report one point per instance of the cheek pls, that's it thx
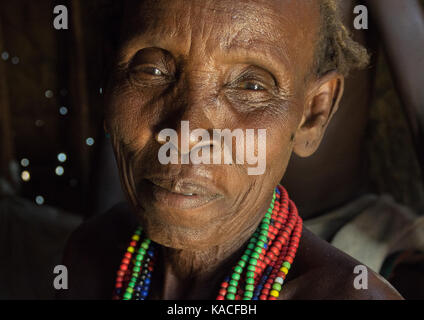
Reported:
(129, 117)
(280, 133)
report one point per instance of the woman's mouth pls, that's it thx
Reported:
(181, 194)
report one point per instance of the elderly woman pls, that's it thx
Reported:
(214, 231)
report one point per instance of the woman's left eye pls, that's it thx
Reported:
(249, 85)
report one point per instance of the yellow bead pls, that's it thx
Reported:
(274, 293)
(136, 237)
(284, 269)
(130, 249)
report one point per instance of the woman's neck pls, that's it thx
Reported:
(197, 274)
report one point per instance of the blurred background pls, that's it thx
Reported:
(56, 163)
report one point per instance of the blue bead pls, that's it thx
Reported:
(147, 281)
(138, 288)
(144, 293)
(265, 246)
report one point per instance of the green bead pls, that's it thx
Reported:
(263, 238)
(130, 290)
(137, 263)
(248, 252)
(251, 268)
(142, 251)
(266, 220)
(255, 255)
(233, 283)
(250, 280)
(287, 265)
(139, 257)
(242, 263)
(253, 261)
(251, 246)
(238, 269)
(268, 215)
(230, 296)
(244, 258)
(127, 296)
(144, 245)
(248, 295)
(131, 285)
(258, 250)
(133, 279)
(260, 244)
(276, 286)
(136, 269)
(264, 233)
(250, 274)
(235, 276)
(264, 226)
(232, 289)
(250, 287)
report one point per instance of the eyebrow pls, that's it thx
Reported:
(277, 55)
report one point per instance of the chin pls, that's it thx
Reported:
(179, 234)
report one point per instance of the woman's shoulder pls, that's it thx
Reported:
(321, 271)
(93, 253)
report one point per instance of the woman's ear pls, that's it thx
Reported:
(321, 103)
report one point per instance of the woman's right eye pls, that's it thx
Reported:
(153, 71)
(147, 76)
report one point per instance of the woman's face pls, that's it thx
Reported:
(218, 65)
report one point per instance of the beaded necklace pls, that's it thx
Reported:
(258, 275)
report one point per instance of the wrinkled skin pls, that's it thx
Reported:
(218, 64)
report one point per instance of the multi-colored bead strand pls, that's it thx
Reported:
(135, 280)
(269, 253)
(260, 272)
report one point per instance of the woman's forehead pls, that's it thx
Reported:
(273, 26)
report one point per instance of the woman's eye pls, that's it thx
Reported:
(248, 85)
(153, 71)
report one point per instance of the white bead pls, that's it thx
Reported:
(279, 280)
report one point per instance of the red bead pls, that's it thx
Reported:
(262, 297)
(124, 267)
(275, 251)
(224, 285)
(265, 291)
(222, 292)
(220, 298)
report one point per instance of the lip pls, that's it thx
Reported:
(181, 193)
